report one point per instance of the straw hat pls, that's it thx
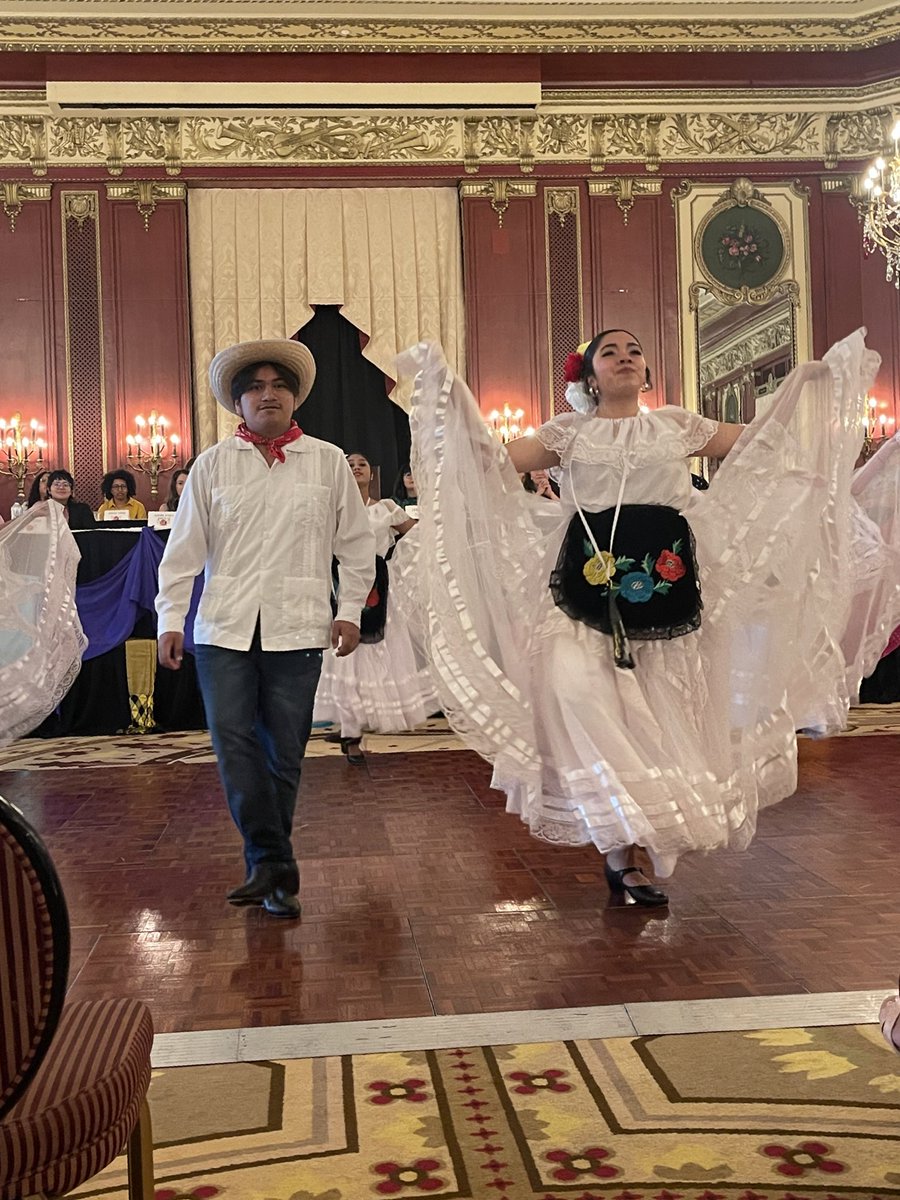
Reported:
(283, 352)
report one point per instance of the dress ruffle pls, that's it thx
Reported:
(682, 752)
(41, 639)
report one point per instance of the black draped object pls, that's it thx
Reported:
(348, 404)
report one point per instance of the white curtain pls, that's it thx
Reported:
(260, 258)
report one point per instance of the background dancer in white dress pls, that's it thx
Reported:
(679, 748)
(386, 688)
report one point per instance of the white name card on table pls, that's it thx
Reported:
(160, 520)
(117, 514)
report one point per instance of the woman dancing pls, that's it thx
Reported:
(635, 660)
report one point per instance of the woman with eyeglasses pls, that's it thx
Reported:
(61, 488)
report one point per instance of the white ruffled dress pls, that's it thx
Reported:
(382, 687)
(41, 639)
(800, 586)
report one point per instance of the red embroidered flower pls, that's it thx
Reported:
(585, 1162)
(373, 599)
(807, 1156)
(573, 367)
(545, 1081)
(389, 1092)
(670, 566)
(416, 1176)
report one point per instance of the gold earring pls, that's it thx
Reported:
(646, 386)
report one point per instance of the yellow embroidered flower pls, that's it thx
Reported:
(600, 568)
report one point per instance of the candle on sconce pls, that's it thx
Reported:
(23, 454)
(507, 425)
(156, 452)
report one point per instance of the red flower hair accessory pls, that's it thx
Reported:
(574, 364)
(572, 369)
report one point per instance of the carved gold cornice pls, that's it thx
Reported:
(625, 188)
(499, 192)
(40, 141)
(15, 194)
(145, 194)
(268, 30)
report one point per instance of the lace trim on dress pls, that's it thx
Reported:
(558, 434)
(659, 436)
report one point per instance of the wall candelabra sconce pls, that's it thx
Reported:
(152, 450)
(879, 427)
(507, 425)
(21, 450)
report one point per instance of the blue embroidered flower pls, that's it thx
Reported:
(636, 587)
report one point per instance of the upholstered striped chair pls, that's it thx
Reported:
(73, 1078)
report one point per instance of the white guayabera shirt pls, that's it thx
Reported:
(264, 538)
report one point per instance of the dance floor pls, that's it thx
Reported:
(422, 897)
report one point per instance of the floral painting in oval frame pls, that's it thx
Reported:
(742, 246)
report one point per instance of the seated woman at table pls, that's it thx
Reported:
(61, 487)
(176, 487)
(39, 489)
(119, 487)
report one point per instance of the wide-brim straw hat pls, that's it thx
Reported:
(283, 352)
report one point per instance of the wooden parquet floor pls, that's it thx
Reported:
(421, 896)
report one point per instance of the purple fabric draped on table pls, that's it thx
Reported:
(109, 607)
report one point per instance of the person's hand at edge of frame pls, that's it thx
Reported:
(344, 638)
(170, 649)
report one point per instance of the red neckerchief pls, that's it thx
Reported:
(273, 445)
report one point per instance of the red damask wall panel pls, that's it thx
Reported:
(506, 305)
(28, 320)
(146, 327)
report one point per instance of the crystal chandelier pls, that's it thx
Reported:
(881, 229)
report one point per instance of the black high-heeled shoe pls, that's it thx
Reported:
(641, 893)
(353, 752)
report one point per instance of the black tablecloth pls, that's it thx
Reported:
(97, 702)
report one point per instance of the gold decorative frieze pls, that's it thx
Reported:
(146, 194)
(15, 194)
(625, 188)
(494, 33)
(41, 140)
(499, 192)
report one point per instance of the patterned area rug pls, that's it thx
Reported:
(166, 749)
(784, 1114)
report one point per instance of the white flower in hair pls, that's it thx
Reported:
(577, 395)
(579, 398)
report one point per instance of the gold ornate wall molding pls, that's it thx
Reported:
(15, 194)
(145, 194)
(703, 213)
(40, 140)
(499, 192)
(625, 189)
(534, 29)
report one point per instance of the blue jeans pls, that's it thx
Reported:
(259, 706)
